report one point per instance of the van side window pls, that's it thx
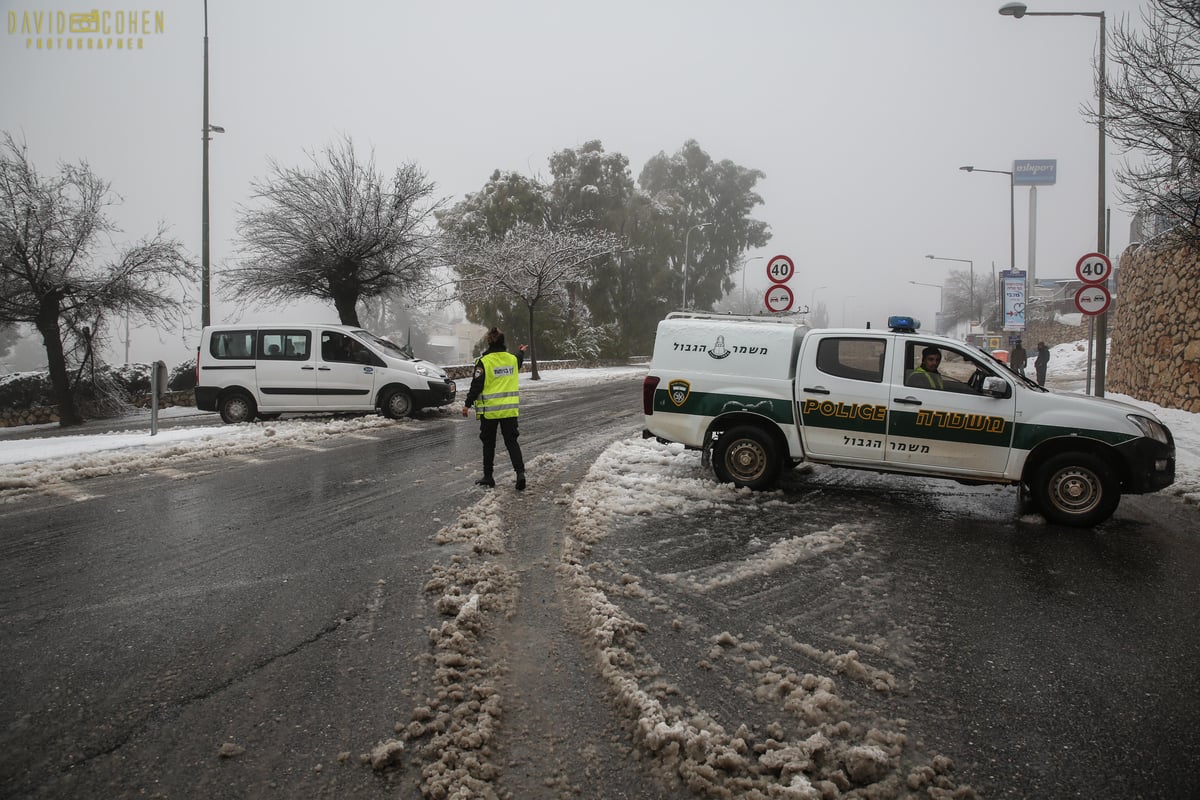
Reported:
(232, 344)
(853, 358)
(285, 345)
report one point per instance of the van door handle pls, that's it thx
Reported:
(310, 369)
(816, 390)
(323, 369)
(908, 401)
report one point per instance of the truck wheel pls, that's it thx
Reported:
(398, 404)
(237, 407)
(1076, 489)
(746, 456)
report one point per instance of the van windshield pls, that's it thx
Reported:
(388, 347)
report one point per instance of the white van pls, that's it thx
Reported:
(244, 371)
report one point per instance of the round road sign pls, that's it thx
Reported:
(779, 298)
(1092, 300)
(1093, 268)
(780, 269)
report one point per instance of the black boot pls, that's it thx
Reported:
(486, 480)
(520, 481)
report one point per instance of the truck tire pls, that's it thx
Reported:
(398, 404)
(1076, 489)
(747, 456)
(237, 407)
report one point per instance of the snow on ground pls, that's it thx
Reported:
(27, 463)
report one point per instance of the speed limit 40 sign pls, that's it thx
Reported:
(780, 269)
(1093, 268)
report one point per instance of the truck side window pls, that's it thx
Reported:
(232, 344)
(851, 357)
(285, 345)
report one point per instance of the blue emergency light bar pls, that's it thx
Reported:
(903, 324)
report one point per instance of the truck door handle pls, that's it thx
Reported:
(816, 390)
(908, 401)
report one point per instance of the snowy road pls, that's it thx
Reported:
(347, 616)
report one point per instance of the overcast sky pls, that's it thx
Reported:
(859, 113)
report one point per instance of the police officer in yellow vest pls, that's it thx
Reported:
(494, 394)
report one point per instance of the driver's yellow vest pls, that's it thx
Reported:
(499, 398)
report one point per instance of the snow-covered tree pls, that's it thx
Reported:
(335, 230)
(530, 265)
(61, 272)
(1152, 92)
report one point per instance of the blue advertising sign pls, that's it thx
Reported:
(1014, 299)
(1035, 172)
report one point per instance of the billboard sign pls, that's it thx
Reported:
(1014, 299)
(1035, 172)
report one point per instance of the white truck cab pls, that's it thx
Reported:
(759, 394)
(244, 371)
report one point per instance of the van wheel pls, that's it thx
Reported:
(237, 407)
(1076, 489)
(398, 404)
(746, 456)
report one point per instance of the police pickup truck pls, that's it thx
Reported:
(761, 394)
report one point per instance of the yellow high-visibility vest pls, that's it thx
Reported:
(499, 398)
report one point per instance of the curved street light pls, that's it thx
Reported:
(745, 308)
(813, 297)
(687, 236)
(1012, 211)
(1017, 11)
(971, 265)
(941, 302)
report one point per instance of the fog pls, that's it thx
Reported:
(859, 114)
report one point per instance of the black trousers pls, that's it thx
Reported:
(487, 435)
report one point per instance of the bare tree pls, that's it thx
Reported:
(335, 231)
(530, 264)
(51, 275)
(1153, 110)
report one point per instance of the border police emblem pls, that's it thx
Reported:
(678, 390)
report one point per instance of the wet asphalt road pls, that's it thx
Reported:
(256, 600)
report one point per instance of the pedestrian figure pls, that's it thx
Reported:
(1041, 362)
(495, 396)
(1019, 358)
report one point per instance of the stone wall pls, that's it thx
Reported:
(1154, 351)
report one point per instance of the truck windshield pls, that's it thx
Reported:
(391, 349)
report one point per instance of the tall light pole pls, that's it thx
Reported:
(812, 298)
(971, 265)
(745, 307)
(205, 279)
(687, 236)
(1017, 11)
(1012, 211)
(941, 302)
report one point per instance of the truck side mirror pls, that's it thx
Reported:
(996, 387)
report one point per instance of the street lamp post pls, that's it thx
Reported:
(1017, 11)
(687, 236)
(1012, 209)
(941, 301)
(205, 278)
(971, 265)
(745, 307)
(812, 298)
